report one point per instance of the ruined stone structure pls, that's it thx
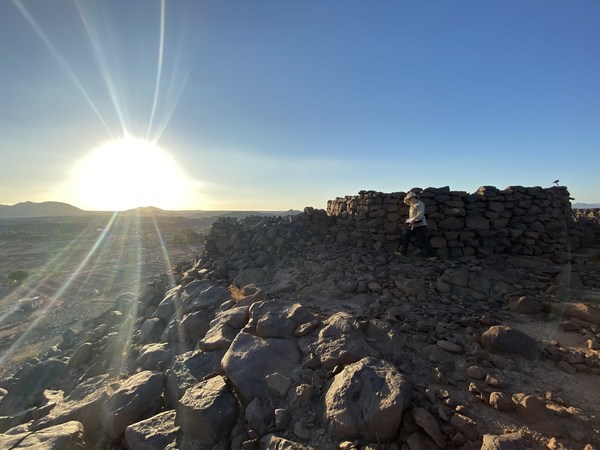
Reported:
(304, 332)
(517, 220)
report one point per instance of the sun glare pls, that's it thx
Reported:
(128, 173)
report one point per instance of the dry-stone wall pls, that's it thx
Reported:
(517, 220)
(271, 236)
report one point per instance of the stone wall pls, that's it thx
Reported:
(262, 237)
(517, 220)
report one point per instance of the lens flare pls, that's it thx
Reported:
(129, 173)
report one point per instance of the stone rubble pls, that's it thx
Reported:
(307, 332)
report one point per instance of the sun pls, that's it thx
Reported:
(128, 173)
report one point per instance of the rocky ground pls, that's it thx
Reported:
(332, 348)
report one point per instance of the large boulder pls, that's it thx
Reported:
(189, 369)
(250, 359)
(134, 398)
(340, 341)
(65, 436)
(366, 401)
(31, 383)
(194, 326)
(169, 305)
(156, 433)
(275, 319)
(83, 404)
(157, 356)
(203, 294)
(151, 330)
(80, 356)
(207, 412)
(224, 328)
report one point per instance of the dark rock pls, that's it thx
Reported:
(271, 325)
(157, 356)
(341, 342)
(526, 305)
(250, 359)
(501, 401)
(427, 422)
(131, 400)
(504, 339)
(31, 383)
(83, 404)
(258, 416)
(151, 330)
(169, 305)
(534, 410)
(189, 369)
(366, 400)
(271, 441)
(194, 326)
(502, 442)
(156, 433)
(207, 411)
(420, 441)
(81, 355)
(64, 436)
(218, 337)
(203, 294)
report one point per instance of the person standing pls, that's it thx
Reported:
(417, 227)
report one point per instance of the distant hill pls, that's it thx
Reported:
(149, 211)
(57, 209)
(201, 214)
(585, 205)
(239, 214)
(44, 209)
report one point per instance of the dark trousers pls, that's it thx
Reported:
(421, 238)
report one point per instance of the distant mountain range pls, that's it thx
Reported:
(44, 209)
(585, 205)
(57, 209)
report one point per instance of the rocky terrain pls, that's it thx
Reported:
(298, 333)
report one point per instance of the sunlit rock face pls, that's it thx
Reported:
(366, 400)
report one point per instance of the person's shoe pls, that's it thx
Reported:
(432, 258)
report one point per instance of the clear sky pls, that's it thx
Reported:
(285, 104)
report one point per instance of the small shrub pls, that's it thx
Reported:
(17, 276)
(187, 236)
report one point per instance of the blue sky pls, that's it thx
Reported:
(286, 104)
